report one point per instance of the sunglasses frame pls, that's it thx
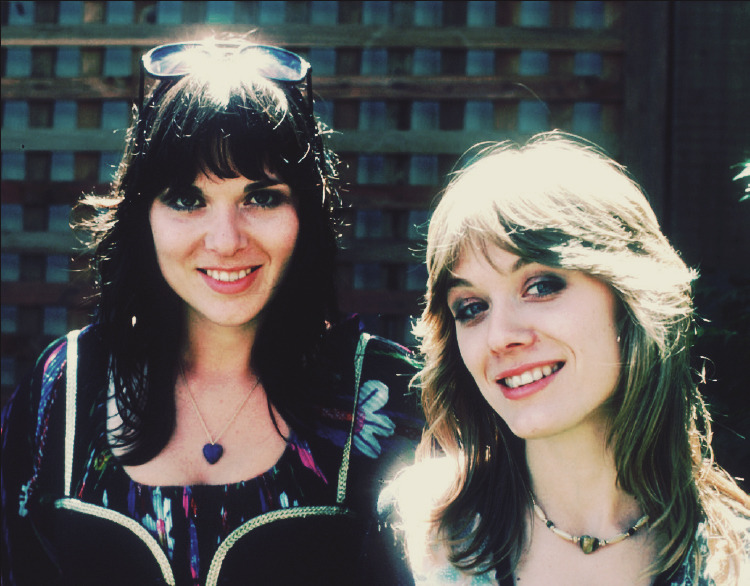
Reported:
(238, 47)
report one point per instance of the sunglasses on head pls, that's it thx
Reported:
(176, 60)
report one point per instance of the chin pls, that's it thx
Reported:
(238, 323)
(226, 321)
(528, 434)
(533, 428)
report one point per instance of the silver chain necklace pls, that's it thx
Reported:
(213, 450)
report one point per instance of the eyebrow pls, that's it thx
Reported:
(455, 282)
(262, 184)
(189, 189)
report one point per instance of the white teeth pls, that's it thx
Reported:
(529, 376)
(513, 382)
(226, 276)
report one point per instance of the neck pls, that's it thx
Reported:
(574, 481)
(218, 351)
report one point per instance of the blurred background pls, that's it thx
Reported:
(408, 86)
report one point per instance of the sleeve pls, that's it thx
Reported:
(25, 422)
(389, 419)
(386, 426)
(389, 426)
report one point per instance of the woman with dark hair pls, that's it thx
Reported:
(575, 446)
(216, 425)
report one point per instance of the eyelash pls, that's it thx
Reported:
(273, 199)
(466, 311)
(463, 313)
(173, 201)
(551, 282)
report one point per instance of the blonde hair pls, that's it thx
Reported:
(561, 202)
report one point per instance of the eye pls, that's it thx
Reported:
(266, 198)
(468, 310)
(182, 201)
(545, 286)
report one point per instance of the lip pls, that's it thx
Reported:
(233, 287)
(531, 388)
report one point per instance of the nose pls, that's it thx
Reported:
(225, 233)
(508, 329)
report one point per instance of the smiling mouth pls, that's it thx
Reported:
(229, 276)
(531, 376)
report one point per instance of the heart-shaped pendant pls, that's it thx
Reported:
(212, 452)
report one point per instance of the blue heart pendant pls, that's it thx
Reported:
(212, 452)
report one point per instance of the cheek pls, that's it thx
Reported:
(291, 236)
(158, 234)
(166, 241)
(283, 234)
(470, 349)
(600, 339)
(171, 240)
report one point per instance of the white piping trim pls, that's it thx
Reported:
(295, 512)
(359, 358)
(300, 512)
(72, 504)
(71, 376)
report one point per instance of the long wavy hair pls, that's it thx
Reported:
(227, 126)
(561, 202)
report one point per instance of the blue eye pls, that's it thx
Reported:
(467, 311)
(545, 286)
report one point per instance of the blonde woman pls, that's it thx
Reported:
(575, 445)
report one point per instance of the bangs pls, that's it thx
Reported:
(562, 207)
(459, 229)
(546, 205)
(256, 131)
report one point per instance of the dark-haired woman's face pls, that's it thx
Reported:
(223, 245)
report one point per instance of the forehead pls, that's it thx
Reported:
(475, 266)
(488, 256)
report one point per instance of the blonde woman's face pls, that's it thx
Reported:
(541, 343)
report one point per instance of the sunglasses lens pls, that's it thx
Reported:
(172, 60)
(275, 63)
(181, 58)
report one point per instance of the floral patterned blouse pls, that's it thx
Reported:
(363, 435)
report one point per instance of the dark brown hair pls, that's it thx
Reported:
(248, 126)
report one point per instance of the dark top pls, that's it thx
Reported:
(310, 519)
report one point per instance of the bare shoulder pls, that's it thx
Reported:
(416, 490)
(410, 502)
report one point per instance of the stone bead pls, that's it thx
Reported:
(588, 544)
